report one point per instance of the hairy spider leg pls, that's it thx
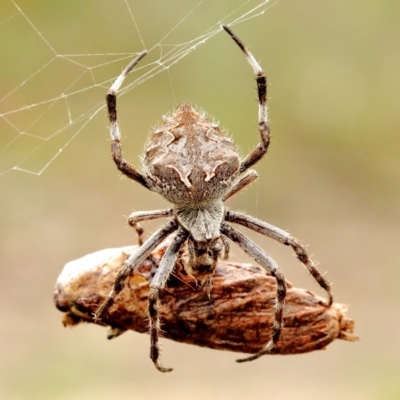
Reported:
(283, 237)
(132, 262)
(263, 126)
(164, 270)
(271, 266)
(138, 216)
(116, 148)
(246, 179)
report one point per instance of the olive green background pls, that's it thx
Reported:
(331, 178)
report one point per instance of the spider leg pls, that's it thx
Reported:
(263, 126)
(164, 270)
(132, 262)
(270, 265)
(190, 247)
(245, 180)
(226, 247)
(136, 217)
(116, 149)
(283, 237)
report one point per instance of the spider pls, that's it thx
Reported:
(192, 163)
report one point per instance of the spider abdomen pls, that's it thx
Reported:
(189, 159)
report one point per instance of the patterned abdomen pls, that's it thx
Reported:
(189, 159)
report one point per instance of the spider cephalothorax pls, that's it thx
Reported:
(195, 166)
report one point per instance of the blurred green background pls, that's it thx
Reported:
(331, 177)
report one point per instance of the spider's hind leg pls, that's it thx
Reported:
(263, 126)
(116, 148)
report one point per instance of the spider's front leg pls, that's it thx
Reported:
(164, 270)
(132, 262)
(283, 237)
(116, 149)
(271, 266)
(263, 126)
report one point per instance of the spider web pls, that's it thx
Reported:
(73, 96)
